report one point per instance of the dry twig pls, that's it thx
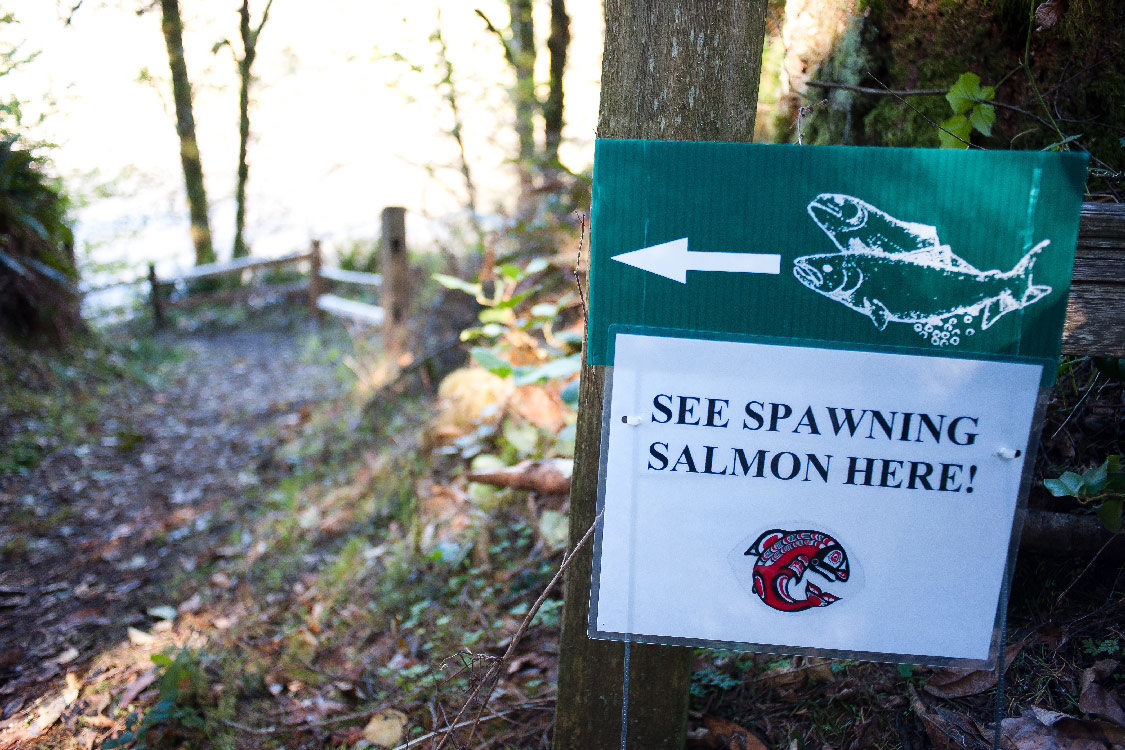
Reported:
(494, 673)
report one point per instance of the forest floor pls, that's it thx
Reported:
(108, 528)
(229, 540)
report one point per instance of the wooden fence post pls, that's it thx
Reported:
(158, 320)
(316, 284)
(707, 90)
(395, 297)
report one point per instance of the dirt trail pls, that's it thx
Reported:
(144, 497)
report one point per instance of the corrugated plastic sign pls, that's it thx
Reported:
(936, 251)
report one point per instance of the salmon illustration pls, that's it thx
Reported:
(783, 558)
(888, 288)
(896, 271)
(855, 225)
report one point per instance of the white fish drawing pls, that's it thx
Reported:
(897, 271)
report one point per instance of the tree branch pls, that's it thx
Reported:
(508, 54)
(883, 92)
(494, 673)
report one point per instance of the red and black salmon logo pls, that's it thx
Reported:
(782, 560)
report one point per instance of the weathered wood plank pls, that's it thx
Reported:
(349, 308)
(1095, 313)
(397, 295)
(351, 277)
(1102, 219)
(218, 269)
(234, 295)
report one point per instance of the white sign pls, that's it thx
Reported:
(808, 499)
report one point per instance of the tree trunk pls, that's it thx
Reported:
(521, 50)
(248, 52)
(185, 127)
(245, 77)
(676, 70)
(557, 44)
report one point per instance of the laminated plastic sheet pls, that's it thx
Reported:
(803, 500)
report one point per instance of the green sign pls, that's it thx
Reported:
(934, 251)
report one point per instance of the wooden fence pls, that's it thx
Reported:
(1095, 315)
(394, 295)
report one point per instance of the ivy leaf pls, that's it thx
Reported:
(982, 116)
(487, 359)
(1109, 513)
(965, 93)
(452, 282)
(1111, 367)
(555, 368)
(1068, 485)
(1095, 478)
(509, 303)
(955, 127)
(495, 315)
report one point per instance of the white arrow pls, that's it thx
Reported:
(673, 260)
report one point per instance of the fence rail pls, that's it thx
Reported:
(1095, 313)
(319, 276)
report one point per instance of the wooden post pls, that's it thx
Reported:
(676, 70)
(395, 296)
(316, 284)
(158, 320)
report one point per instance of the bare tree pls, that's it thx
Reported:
(173, 28)
(557, 44)
(249, 35)
(520, 52)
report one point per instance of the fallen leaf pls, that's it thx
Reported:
(958, 683)
(139, 637)
(466, 398)
(1095, 699)
(800, 669)
(1047, 15)
(135, 686)
(224, 623)
(99, 721)
(540, 407)
(722, 734)
(547, 477)
(1041, 729)
(86, 738)
(947, 730)
(73, 687)
(386, 728)
(191, 605)
(162, 612)
(50, 711)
